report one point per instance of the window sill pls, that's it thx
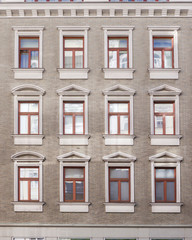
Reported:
(28, 139)
(119, 140)
(166, 207)
(28, 206)
(73, 73)
(29, 73)
(118, 73)
(163, 140)
(119, 207)
(74, 207)
(74, 140)
(164, 73)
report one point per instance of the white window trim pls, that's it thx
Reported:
(168, 31)
(73, 31)
(27, 92)
(118, 31)
(119, 159)
(36, 161)
(166, 159)
(29, 73)
(74, 159)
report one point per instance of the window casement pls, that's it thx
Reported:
(118, 59)
(119, 115)
(164, 106)
(28, 52)
(165, 183)
(73, 115)
(119, 182)
(73, 43)
(163, 52)
(28, 115)
(28, 181)
(74, 182)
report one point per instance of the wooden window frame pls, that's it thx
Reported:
(29, 117)
(73, 52)
(74, 185)
(118, 50)
(165, 180)
(119, 180)
(29, 186)
(29, 51)
(162, 51)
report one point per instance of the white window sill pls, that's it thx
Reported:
(73, 73)
(166, 207)
(119, 207)
(119, 140)
(163, 140)
(28, 139)
(118, 73)
(162, 73)
(28, 206)
(80, 140)
(74, 207)
(28, 73)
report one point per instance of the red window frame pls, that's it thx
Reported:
(118, 114)
(74, 185)
(29, 51)
(74, 114)
(165, 180)
(164, 49)
(29, 184)
(118, 50)
(119, 180)
(29, 117)
(164, 114)
(73, 50)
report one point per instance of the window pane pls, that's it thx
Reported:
(123, 59)
(157, 59)
(34, 190)
(68, 190)
(23, 124)
(33, 107)
(78, 59)
(34, 124)
(74, 172)
(113, 124)
(158, 125)
(79, 124)
(165, 173)
(162, 42)
(118, 107)
(168, 59)
(169, 125)
(28, 107)
(117, 43)
(34, 59)
(68, 124)
(29, 172)
(68, 59)
(123, 124)
(163, 107)
(170, 191)
(112, 59)
(159, 191)
(23, 190)
(73, 107)
(24, 59)
(79, 190)
(29, 43)
(119, 173)
(124, 191)
(113, 190)
(73, 43)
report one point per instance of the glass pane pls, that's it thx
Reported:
(168, 59)
(33, 107)
(162, 43)
(23, 124)
(123, 59)
(169, 125)
(165, 173)
(113, 124)
(119, 173)
(29, 172)
(28, 107)
(68, 190)
(117, 43)
(157, 59)
(124, 191)
(79, 124)
(78, 59)
(34, 190)
(123, 124)
(158, 125)
(29, 43)
(163, 107)
(24, 59)
(34, 59)
(34, 124)
(68, 124)
(73, 107)
(160, 191)
(118, 107)
(73, 43)
(170, 191)
(23, 190)
(113, 190)
(79, 190)
(112, 59)
(68, 59)
(74, 172)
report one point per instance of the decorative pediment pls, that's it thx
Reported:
(165, 157)
(73, 90)
(73, 157)
(164, 90)
(28, 89)
(119, 90)
(119, 157)
(28, 156)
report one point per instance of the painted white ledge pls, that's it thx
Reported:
(119, 140)
(29, 73)
(73, 73)
(118, 73)
(80, 140)
(28, 139)
(74, 207)
(164, 73)
(166, 207)
(119, 207)
(28, 206)
(164, 140)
